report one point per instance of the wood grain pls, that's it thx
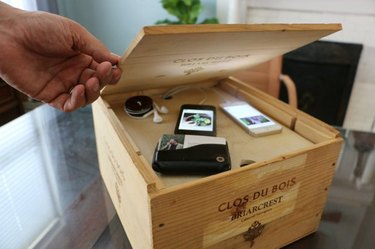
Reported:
(166, 56)
(285, 189)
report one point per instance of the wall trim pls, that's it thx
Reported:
(362, 7)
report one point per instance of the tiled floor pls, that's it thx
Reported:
(114, 237)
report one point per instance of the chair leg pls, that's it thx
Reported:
(291, 89)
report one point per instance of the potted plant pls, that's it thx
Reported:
(186, 12)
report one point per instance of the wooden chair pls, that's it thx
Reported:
(268, 77)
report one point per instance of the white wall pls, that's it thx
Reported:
(358, 21)
(116, 22)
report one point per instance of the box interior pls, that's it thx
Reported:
(163, 57)
(145, 133)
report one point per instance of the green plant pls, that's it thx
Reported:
(186, 11)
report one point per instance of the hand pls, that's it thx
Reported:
(53, 59)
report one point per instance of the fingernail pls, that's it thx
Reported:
(118, 58)
(113, 54)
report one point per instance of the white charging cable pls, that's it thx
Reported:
(175, 90)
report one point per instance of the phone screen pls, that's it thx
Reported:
(196, 120)
(249, 116)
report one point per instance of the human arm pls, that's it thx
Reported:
(53, 59)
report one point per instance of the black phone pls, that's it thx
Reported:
(196, 120)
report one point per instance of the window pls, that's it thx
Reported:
(22, 4)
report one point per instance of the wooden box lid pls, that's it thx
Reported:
(163, 56)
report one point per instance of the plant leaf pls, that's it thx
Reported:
(167, 21)
(186, 11)
(212, 20)
(187, 2)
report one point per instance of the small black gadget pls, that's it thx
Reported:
(138, 106)
(191, 155)
(196, 120)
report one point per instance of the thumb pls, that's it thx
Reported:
(86, 43)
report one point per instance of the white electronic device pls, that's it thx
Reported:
(251, 119)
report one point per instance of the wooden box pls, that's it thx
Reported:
(266, 204)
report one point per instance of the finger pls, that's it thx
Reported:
(104, 73)
(92, 86)
(86, 75)
(59, 101)
(116, 75)
(92, 90)
(76, 100)
(93, 65)
(69, 102)
(107, 74)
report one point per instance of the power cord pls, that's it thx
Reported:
(170, 93)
